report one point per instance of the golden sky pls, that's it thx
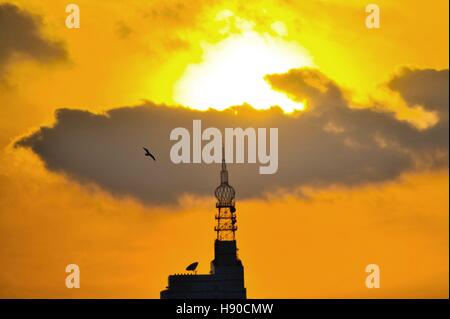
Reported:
(319, 228)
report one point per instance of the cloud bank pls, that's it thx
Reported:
(21, 36)
(330, 143)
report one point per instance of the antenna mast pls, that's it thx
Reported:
(226, 211)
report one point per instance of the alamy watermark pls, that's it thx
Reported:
(373, 277)
(373, 17)
(73, 277)
(211, 152)
(73, 17)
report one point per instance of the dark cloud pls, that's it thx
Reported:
(428, 88)
(328, 144)
(20, 36)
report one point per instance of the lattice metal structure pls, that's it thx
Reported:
(226, 278)
(226, 212)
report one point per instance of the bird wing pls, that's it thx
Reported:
(145, 149)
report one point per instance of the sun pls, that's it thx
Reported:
(232, 72)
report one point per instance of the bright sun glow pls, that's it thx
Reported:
(233, 70)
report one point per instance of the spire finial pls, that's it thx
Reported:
(224, 165)
(224, 172)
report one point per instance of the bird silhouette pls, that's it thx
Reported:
(192, 267)
(147, 153)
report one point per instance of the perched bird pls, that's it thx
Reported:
(147, 153)
(192, 267)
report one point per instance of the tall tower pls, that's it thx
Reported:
(226, 266)
(226, 278)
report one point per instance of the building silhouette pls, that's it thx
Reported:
(226, 278)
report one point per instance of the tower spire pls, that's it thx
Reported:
(224, 192)
(223, 172)
(226, 216)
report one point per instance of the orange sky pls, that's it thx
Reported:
(314, 246)
(291, 248)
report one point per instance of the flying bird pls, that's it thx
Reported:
(147, 153)
(192, 267)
